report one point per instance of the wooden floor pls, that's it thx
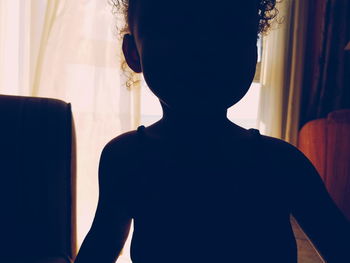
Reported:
(306, 252)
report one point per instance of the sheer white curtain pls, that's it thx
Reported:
(69, 50)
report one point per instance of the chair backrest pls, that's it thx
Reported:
(326, 142)
(38, 179)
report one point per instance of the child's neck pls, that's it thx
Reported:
(195, 122)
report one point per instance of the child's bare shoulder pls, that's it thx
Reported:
(284, 154)
(120, 152)
(277, 145)
(124, 142)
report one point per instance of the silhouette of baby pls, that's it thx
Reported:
(198, 187)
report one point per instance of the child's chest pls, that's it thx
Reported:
(188, 196)
(188, 180)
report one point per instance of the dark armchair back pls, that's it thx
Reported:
(37, 179)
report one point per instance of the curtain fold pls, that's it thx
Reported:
(298, 31)
(282, 74)
(327, 83)
(272, 78)
(50, 14)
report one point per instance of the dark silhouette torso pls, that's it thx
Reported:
(222, 200)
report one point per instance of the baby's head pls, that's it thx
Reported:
(195, 54)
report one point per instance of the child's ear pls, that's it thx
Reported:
(131, 54)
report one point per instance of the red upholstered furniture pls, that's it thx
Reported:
(326, 142)
(37, 175)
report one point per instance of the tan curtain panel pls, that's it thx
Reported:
(282, 73)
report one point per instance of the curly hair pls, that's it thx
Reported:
(267, 13)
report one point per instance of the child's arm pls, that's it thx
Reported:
(316, 212)
(111, 224)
